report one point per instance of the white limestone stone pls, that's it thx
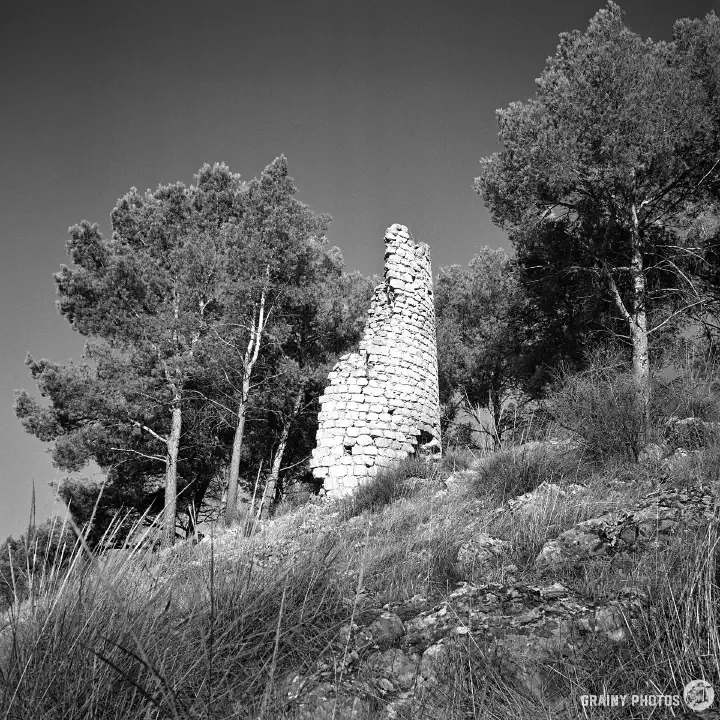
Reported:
(378, 398)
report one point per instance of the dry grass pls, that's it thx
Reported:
(215, 630)
(144, 636)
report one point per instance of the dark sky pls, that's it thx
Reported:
(383, 110)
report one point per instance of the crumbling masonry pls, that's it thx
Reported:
(382, 402)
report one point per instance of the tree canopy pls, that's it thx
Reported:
(474, 306)
(617, 154)
(203, 297)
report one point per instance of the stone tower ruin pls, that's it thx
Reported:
(382, 403)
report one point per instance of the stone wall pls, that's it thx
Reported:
(381, 403)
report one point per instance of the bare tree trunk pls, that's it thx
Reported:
(251, 356)
(173, 446)
(199, 491)
(637, 319)
(638, 323)
(232, 493)
(496, 404)
(270, 487)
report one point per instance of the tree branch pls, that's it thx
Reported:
(137, 452)
(677, 312)
(149, 430)
(616, 296)
(287, 467)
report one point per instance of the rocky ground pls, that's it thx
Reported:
(460, 605)
(398, 652)
(392, 660)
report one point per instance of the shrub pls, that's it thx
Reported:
(459, 435)
(689, 434)
(524, 420)
(601, 406)
(295, 498)
(682, 398)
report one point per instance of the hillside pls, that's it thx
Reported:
(503, 586)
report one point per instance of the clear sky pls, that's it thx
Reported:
(383, 109)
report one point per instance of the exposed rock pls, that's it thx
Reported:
(552, 445)
(476, 554)
(651, 523)
(461, 480)
(382, 633)
(523, 629)
(323, 703)
(543, 495)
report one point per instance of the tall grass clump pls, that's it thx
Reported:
(32, 566)
(388, 486)
(188, 633)
(473, 685)
(516, 471)
(673, 627)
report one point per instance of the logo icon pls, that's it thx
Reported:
(698, 695)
